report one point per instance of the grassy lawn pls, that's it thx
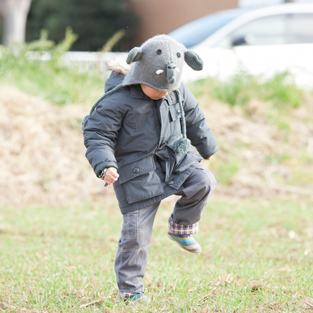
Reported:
(257, 253)
(257, 257)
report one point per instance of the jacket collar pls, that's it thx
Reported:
(171, 98)
(137, 93)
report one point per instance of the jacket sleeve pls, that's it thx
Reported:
(199, 133)
(101, 132)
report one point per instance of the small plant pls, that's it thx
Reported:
(28, 54)
(281, 89)
(107, 47)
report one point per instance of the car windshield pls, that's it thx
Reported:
(195, 32)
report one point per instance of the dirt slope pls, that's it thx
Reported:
(42, 152)
(270, 158)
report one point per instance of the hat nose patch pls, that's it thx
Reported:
(171, 73)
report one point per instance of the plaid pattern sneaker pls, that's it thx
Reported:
(186, 242)
(137, 298)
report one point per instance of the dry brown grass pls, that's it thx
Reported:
(247, 135)
(42, 152)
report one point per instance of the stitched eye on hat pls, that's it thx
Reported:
(159, 51)
(178, 54)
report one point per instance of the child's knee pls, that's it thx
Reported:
(212, 180)
(208, 180)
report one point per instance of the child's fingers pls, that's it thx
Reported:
(112, 171)
(115, 175)
(110, 178)
(111, 175)
(109, 181)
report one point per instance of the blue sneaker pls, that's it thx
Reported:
(137, 298)
(186, 242)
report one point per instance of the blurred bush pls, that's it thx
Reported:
(95, 21)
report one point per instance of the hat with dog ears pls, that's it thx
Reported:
(158, 63)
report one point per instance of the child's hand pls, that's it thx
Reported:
(111, 175)
(209, 158)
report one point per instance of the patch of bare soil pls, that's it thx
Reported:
(42, 156)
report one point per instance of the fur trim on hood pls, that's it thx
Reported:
(118, 66)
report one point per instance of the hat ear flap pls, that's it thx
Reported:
(134, 55)
(193, 60)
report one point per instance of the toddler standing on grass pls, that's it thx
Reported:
(138, 139)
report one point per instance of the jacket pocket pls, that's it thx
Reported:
(174, 112)
(140, 181)
(174, 117)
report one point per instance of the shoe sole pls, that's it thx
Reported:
(183, 247)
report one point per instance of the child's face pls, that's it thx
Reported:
(153, 93)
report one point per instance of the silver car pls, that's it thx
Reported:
(260, 41)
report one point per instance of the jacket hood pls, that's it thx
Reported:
(119, 69)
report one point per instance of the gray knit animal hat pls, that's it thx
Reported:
(158, 63)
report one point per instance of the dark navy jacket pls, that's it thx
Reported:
(134, 133)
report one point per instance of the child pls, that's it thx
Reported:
(133, 140)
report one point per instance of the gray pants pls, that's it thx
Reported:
(133, 247)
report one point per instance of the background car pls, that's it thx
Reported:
(260, 41)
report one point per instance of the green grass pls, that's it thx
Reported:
(56, 85)
(241, 87)
(50, 80)
(257, 257)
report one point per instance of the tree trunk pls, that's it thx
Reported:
(14, 16)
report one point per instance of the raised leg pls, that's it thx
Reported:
(188, 210)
